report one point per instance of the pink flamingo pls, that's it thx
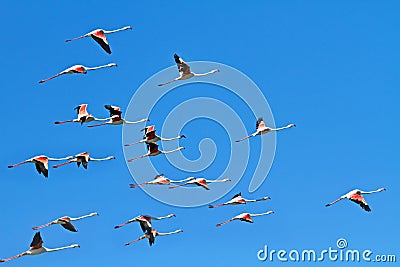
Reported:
(152, 236)
(65, 222)
(36, 248)
(237, 200)
(245, 217)
(184, 71)
(262, 129)
(151, 137)
(144, 221)
(201, 182)
(41, 163)
(356, 196)
(99, 36)
(159, 180)
(154, 151)
(83, 158)
(78, 69)
(83, 116)
(116, 117)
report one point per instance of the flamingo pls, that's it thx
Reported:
(237, 200)
(144, 221)
(152, 150)
(262, 129)
(116, 117)
(159, 180)
(99, 36)
(152, 236)
(83, 158)
(36, 248)
(65, 222)
(356, 196)
(83, 116)
(245, 217)
(78, 69)
(201, 182)
(151, 137)
(41, 163)
(184, 71)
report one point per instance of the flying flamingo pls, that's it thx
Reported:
(36, 248)
(356, 196)
(152, 236)
(41, 163)
(159, 180)
(152, 150)
(262, 129)
(99, 36)
(245, 217)
(116, 117)
(65, 222)
(201, 182)
(83, 116)
(78, 69)
(83, 158)
(184, 71)
(151, 137)
(144, 221)
(237, 200)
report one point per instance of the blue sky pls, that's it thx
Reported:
(332, 68)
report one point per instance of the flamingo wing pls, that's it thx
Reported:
(152, 237)
(182, 66)
(37, 241)
(260, 123)
(360, 200)
(69, 226)
(40, 167)
(151, 135)
(101, 39)
(237, 195)
(152, 147)
(113, 110)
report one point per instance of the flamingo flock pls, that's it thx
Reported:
(150, 140)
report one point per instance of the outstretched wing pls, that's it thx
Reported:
(41, 169)
(182, 66)
(360, 200)
(101, 39)
(67, 224)
(37, 241)
(260, 123)
(237, 195)
(114, 110)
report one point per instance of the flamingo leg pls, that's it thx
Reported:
(137, 185)
(138, 142)
(216, 206)
(176, 186)
(14, 257)
(228, 221)
(76, 38)
(96, 125)
(130, 160)
(334, 202)
(63, 164)
(41, 226)
(121, 225)
(62, 122)
(247, 137)
(17, 164)
(52, 77)
(162, 84)
(134, 241)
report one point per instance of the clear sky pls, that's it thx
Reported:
(332, 68)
